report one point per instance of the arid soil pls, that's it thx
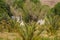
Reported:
(51, 3)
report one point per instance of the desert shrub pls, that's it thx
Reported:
(9, 26)
(30, 10)
(52, 20)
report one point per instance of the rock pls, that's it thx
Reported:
(41, 22)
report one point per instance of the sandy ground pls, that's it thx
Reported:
(51, 3)
(9, 36)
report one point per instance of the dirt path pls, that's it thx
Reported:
(9, 36)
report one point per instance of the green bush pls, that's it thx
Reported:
(56, 9)
(35, 1)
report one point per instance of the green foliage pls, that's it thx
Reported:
(56, 9)
(32, 9)
(4, 11)
(27, 31)
(35, 1)
(19, 3)
(8, 26)
(26, 18)
(52, 20)
(5, 21)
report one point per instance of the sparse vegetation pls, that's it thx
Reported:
(31, 11)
